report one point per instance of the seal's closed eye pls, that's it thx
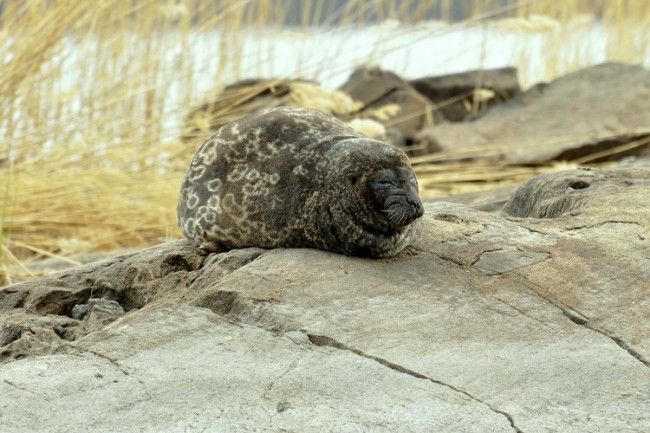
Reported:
(384, 183)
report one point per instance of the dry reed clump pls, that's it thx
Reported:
(92, 96)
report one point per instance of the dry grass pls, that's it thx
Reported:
(87, 159)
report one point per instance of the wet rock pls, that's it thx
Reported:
(530, 319)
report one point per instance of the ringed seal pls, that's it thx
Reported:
(294, 177)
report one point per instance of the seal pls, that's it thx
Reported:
(295, 177)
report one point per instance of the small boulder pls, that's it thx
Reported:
(382, 91)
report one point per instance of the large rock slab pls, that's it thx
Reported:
(203, 373)
(596, 111)
(533, 319)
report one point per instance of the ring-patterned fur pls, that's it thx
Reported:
(293, 177)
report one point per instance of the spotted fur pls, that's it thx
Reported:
(293, 177)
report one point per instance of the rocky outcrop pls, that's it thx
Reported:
(403, 108)
(530, 319)
(594, 114)
(381, 91)
(461, 95)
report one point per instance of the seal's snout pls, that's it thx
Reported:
(415, 208)
(417, 205)
(403, 209)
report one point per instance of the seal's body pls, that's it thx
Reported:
(293, 177)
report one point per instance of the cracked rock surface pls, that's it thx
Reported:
(532, 319)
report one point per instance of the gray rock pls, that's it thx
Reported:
(593, 111)
(80, 311)
(502, 261)
(490, 200)
(103, 311)
(202, 373)
(370, 84)
(46, 266)
(535, 319)
(583, 192)
(454, 93)
(376, 88)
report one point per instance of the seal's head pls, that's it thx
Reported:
(381, 193)
(393, 193)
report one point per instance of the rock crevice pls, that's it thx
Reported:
(322, 340)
